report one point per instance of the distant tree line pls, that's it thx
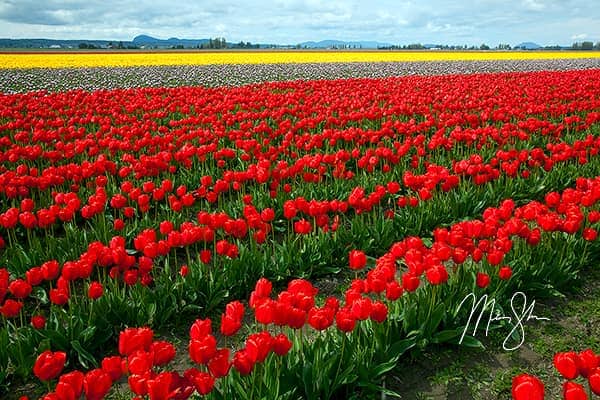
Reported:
(419, 46)
(221, 43)
(110, 45)
(87, 46)
(502, 46)
(585, 46)
(333, 47)
(413, 46)
(215, 43)
(246, 45)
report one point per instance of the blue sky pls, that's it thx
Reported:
(471, 22)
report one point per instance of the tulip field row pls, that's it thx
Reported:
(76, 59)
(217, 213)
(93, 78)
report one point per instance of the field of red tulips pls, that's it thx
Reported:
(296, 238)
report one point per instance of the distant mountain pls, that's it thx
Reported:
(145, 40)
(53, 43)
(138, 41)
(340, 44)
(528, 46)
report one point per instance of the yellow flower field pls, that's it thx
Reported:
(77, 59)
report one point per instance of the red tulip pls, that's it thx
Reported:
(50, 270)
(590, 234)
(267, 215)
(59, 296)
(112, 366)
(118, 224)
(159, 388)
(319, 318)
(27, 205)
(379, 312)
(264, 313)
(184, 271)
(281, 344)
(202, 350)
(574, 391)
(230, 325)
(200, 329)
(75, 380)
(242, 362)
(33, 276)
(96, 384)
(95, 290)
(163, 352)
(437, 274)
(140, 362)
(139, 383)
(49, 364)
(20, 288)
(64, 391)
(262, 290)
(357, 259)
(482, 280)
(410, 282)
(302, 287)
(361, 308)
(495, 257)
(393, 290)
(219, 365)
(594, 381)
(166, 227)
(527, 387)
(203, 382)
(345, 320)
(235, 309)
(259, 345)
(11, 308)
(587, 361)
(38, 321)
(134, 339)
(295, 318)
(505, 273)
(289, 210)
(205, 256)
(566, 364)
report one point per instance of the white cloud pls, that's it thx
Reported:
(579, 36)
(534, 5)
